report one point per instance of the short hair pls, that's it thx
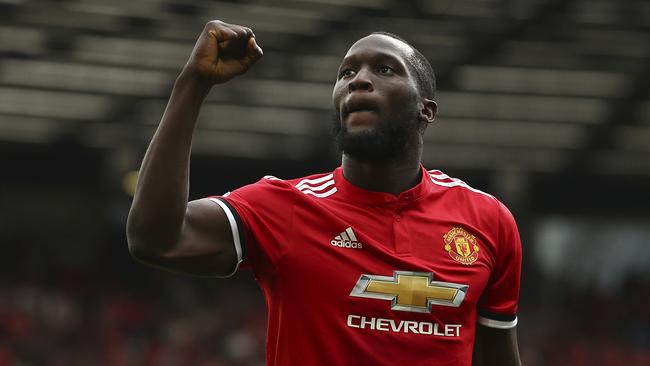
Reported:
(424, 74)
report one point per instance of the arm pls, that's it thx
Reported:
(496, 332)
(496, 347)
(163, 229)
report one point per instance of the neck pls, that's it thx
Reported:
(395, 176)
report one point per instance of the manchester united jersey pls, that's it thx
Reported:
(354, 277)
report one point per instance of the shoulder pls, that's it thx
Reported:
(444, 181)
(481, 205)
(476, 199)
(317, 185)
(267, 184)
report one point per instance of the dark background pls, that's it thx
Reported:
(543, 103)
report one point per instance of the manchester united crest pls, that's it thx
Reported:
(461, 246)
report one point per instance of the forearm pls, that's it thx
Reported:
(160, 228)
(156, 217)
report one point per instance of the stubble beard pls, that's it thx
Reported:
(388, 141)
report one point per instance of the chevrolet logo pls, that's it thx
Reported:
(410, 291)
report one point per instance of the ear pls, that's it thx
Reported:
(428, 110)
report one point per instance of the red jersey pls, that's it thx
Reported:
(355, 277)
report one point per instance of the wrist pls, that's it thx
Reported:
(189, 78)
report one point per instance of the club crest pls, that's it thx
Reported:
(461, 246)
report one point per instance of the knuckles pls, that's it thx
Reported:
(238, 30)
(214, 23)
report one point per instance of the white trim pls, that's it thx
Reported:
(270, 177)
(499, 324)
(235, 233)
(319, 195)
(317, 188)
(457, 183)
(453, 183)
(439, 175)
(317, 180)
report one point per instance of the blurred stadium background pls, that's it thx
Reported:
(544, 103)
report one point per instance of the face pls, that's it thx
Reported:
(376, 100)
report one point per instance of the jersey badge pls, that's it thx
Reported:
(461, 245)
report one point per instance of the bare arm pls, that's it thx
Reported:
(496, 347)
(163, 229)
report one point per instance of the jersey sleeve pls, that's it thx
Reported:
(498, 304)
(260, 217)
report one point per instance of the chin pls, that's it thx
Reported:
(368, 143)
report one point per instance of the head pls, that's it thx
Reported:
(383, 98)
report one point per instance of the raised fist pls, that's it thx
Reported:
(222, 52)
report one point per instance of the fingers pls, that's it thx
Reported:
(253, 53)
(249, 32)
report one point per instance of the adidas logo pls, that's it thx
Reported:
(346, 239)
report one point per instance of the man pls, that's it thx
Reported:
(380, 262)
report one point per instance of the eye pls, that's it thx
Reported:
(385, 70)
(346, 73)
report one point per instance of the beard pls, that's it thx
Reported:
(388, 141)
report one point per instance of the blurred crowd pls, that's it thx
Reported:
(571, 326)
(82, 318)
(132, 315)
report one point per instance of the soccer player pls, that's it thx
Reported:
(379, 262)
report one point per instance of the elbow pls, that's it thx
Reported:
(151, 237)
(144, 248)
(135, 248)
(150, 241)
(142, 240)
(136, 243)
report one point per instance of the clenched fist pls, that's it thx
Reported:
(222, 52)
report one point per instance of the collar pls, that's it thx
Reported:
(358, 194)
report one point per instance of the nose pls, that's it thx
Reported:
(361, 82)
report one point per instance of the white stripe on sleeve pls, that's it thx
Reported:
(235, 233)
(499, 324)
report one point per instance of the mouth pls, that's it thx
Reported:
(361, 110)
(358, 105)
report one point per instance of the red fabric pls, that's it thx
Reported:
(307, 281)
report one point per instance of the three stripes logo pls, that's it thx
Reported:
(346, 239)
(319, 187)
(442, 179)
